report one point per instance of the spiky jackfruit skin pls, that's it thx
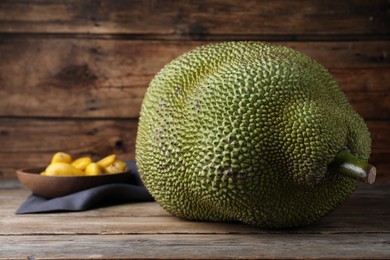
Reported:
(245, 131)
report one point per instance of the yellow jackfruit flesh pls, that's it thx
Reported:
(248, 131)
(93, 169)
(81, 163)
(61, 157)
(106, 161)
(116, 167)
(62, 169)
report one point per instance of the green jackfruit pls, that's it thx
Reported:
(250, 132)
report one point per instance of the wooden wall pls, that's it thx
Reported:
(73, 73)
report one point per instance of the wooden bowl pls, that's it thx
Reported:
(58, 186)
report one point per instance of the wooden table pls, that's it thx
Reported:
(358, 229)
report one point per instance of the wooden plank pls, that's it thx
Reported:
(108, 78)
(30, 142)
(197, 18)
(380, 143)
(178, 246)
(355, 215)
(144, 230)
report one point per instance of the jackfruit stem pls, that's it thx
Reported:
(350, 166)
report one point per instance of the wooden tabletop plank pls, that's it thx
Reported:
(197, 246)
(366, 211)
(358, 229)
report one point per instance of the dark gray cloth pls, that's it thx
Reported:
(100, 196)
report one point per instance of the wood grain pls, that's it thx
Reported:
(199, 19)
(367, 202)
(30, 142)
(145, 230)
(108, 78)
(180, 246)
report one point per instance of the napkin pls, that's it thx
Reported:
(100, 196)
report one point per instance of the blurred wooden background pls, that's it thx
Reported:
(73, 73)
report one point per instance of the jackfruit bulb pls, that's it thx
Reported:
(250, 132)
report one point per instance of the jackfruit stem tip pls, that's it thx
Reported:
(350, 166)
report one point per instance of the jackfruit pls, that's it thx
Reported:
(61, 157)
(62, 169)
(250, 132)
(93, 169)
(81, 163)
(107, 161)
